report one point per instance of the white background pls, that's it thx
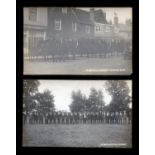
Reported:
(8, 77)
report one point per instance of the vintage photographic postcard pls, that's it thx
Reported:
(77, 41)
(77, 113)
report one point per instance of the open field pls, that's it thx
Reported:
(78, 135)
(83, 66)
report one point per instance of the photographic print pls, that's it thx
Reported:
(77, 113)
(77, 41)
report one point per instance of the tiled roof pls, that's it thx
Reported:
(82, 16)
(99, 16)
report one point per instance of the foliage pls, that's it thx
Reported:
(119, 92)
(30, 88)
(80, 103)
(45, 102)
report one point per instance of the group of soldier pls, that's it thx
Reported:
(77, 118)
(62, 49)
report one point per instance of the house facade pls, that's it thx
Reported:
(70, 27)
(69, 23)
(103, 28)
(35, 27)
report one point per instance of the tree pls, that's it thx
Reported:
(95, 100)
(45, 102)
(30, 88)
(78, 102)
(119, 92)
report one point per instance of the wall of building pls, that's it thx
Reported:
(41, 17)
(66, 25)
(34, 30)
(104, 30)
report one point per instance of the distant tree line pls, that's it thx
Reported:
(43, 102)
(118, 90)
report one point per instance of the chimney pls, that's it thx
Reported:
(115, 19)
(92, 14)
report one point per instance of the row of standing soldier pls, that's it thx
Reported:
(77, 118)
(63, 49)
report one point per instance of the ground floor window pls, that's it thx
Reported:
(25, 40)
(35, 37)
(32, 39)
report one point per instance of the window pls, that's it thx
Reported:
(108, 29)
(87, 29)
(116, 30)
(58, 25)
(32, 14)
(64, 10)
(97, 28)
(74, 27)
(25, 42)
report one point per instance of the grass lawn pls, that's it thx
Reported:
(78, 135)
(83, 66)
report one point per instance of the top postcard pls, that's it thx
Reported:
(77, 41)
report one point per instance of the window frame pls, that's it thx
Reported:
(97, 28)
(74, 27)
(55, 25)
(33, 15)
(64, 10)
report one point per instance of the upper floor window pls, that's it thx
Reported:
(64, 10)
(74, 27)
(87, 29)
(58, 25)
(33, 14)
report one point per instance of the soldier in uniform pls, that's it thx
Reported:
(24, 118)
(88, 117)
(124, 117)
(40, 118)
(51, 117)
(92, 117)
(112, 117)
(54, 117)
(129, 115)
(58, 117)
(80, 118)
(116, 118)
(120, 117)
(71, 118)
(62, 118)
(67, 118)
(31, 118)
(84, 118)
(35, 117)
(77, 117)
(46, 118)
(107, 117)
(103, 117)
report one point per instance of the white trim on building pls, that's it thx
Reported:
(74, 27)
(64, 10)
(57, 25)
(87, 28)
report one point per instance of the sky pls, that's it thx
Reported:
(122, 12)
(62, 89)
